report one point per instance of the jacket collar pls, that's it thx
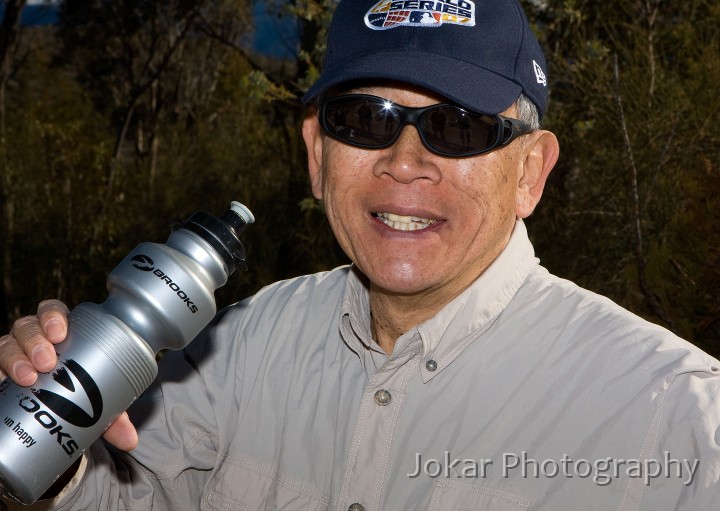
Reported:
(447, 334)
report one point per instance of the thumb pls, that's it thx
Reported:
(122, 434)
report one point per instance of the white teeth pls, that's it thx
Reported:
(405, 223)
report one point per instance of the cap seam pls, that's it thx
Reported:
(525, 27)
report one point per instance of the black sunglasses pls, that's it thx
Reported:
(372, 122)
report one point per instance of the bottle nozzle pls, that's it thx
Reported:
(242, 211)
(237, 217)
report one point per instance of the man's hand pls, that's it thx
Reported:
(29, 349)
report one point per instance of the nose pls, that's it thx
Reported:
(408, 159)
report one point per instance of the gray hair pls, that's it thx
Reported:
(527, 112)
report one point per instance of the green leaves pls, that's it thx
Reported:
(260, 87)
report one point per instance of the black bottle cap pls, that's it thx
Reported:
(222, 234)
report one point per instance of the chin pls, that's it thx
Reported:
(400, 281)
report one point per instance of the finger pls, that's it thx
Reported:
(30, 338)
(52, 315)
(122, 434)
(14, 362)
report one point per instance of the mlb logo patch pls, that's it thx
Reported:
(388, 14)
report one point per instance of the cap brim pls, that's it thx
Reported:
(492, 95)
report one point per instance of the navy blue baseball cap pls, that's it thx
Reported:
(480, 54)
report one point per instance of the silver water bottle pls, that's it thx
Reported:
(159, 296)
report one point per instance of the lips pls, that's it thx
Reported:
(404, 223)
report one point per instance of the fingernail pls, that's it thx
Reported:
(24, 372)
(54, 330)
(43, 358)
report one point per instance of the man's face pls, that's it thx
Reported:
(462, 210)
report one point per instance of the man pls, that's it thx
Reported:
(445, 369)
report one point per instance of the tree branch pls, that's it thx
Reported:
(640, 262)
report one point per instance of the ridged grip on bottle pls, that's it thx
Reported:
(135, 360)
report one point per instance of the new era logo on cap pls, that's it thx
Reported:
(539, 74)
(424, 13)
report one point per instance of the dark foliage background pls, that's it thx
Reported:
(125, 115)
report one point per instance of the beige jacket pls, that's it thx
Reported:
(526, 392)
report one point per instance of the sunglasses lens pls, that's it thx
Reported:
(363, 121)
(371, 122)
(452, 131)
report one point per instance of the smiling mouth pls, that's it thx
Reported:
(404, 223)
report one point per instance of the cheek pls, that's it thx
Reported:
(341, 182)
(329, 173)
(347, 172)
(489, 186)
(487, 196)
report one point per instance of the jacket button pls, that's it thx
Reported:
(382, 398)
(431, 365)
(356, 507)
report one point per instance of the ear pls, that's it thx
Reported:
(313, 136)
(541, 153)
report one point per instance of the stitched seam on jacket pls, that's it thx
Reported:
(182, 465)
(227, 503)
(654, 432)
(284, 481)
(485, 490)
(359, 430)
(412, 368)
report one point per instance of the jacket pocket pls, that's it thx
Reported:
(457, 496)
(239, 485)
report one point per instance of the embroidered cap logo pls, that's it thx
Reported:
(539, 74)
(388, 14)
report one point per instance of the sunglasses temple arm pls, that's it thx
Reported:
(514, 129)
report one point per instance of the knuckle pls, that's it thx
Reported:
(9, 352)
(51, 306)
(23, 321)
(4, 341)
(26, 328)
